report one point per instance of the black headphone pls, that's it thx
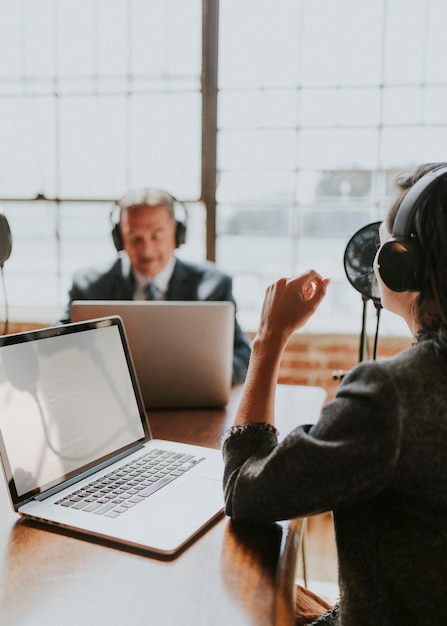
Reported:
(5, 240)
(180, 225)
(399, 261)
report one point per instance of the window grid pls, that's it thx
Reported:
(306, 149)
(304, 157)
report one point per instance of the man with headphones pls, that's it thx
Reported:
(377, 456)
(146, 235)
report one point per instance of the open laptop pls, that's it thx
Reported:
(183, 351)
(71, 414)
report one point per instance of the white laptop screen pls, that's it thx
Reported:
(66, 402)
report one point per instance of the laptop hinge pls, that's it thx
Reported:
(93, 470)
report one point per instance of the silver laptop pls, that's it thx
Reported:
(183, 351)
(76, 446)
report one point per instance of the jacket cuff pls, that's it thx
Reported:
(241, 429)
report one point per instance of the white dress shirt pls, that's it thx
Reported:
(160, 282)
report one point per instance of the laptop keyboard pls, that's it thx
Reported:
(120, 490)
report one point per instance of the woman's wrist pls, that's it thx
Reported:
(269, 344)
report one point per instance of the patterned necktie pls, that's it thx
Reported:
(151, 292)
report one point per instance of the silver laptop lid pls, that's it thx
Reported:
(182, 350)
(69, 400)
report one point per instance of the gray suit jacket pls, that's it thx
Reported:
(189, 281)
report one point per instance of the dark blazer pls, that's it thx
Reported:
(189, 281)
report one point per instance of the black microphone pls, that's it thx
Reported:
(5, 240)
(358, 261)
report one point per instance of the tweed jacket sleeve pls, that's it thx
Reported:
(349, 454)
(376, 458)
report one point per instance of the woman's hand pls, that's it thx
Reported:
(290, 303)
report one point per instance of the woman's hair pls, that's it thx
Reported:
(431, 233)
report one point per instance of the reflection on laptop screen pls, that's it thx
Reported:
(65, 402)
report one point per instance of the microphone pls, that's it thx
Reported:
(358, 261)
(5, 240)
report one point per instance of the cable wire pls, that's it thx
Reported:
(6, 322)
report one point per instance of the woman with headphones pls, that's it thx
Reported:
(377, 457)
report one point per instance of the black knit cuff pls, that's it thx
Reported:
(250, 427)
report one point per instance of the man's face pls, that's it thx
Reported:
(149, 238)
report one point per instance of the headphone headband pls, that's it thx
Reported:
(417, 194)
(399, 261)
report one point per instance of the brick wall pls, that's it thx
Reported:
(311, 359)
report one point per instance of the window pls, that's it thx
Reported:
(320, 104)
(96, 97)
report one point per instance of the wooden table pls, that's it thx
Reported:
(232, 575)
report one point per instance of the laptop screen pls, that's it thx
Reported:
(67, 401)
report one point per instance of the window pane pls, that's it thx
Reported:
(255, 188)
(27, 146)
(340, 42)
(93, 145)
(164, 142)
(258, 43)
(324, 107)
(261, 149)
(258, 109)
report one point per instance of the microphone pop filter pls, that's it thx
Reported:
(358, 261)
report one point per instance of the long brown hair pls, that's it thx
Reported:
(431, 233)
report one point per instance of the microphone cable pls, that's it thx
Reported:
(6, 322)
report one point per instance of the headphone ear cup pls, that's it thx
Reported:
(5, 240)
(180, 233)
(398, 264)
(117, 238)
